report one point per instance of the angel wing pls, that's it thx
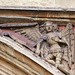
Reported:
(31, 33)
(27, 34)
(68, 33)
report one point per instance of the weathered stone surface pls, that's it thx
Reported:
(49, 3)
(21, 62)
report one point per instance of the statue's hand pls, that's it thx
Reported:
(55, 38)
(44, 37)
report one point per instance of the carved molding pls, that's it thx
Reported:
(19, 60)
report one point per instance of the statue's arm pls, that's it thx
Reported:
(61, 40)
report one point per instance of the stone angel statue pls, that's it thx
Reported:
(56, 43)
(60, 44)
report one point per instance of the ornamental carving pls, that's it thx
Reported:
(45, 41)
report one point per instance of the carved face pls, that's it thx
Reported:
(49, 27)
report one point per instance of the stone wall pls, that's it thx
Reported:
(50, 3)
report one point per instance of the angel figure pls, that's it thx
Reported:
(53, 38)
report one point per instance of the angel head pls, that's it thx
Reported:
(50, 26)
